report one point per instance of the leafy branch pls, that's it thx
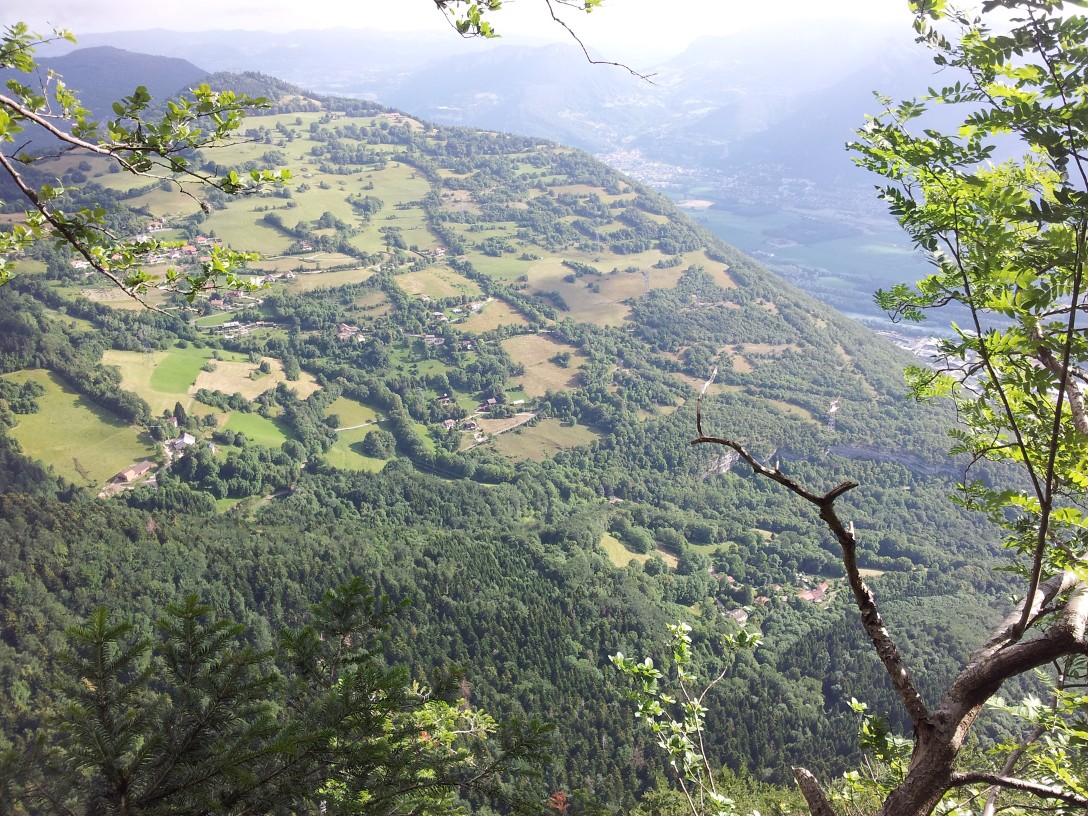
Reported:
(139, 143)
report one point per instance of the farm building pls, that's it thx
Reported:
(133, 472)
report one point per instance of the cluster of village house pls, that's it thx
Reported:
(346, 332)
(190, 252)
(235, 328)
(817, 594)
(179, 444)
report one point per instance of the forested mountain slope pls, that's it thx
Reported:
(470, 377)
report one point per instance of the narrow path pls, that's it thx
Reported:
(363, 425)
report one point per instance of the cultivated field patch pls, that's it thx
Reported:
(161, 378)
(600, 298)
(697, 384)
(534, 351)
(543, 440)
(68, 320)
(166, 203)
(741, 364)
(791, 409)
(374, 303)
(351, 412)
(494, 427)
(176, 370)
(618, 554)
(438, 282)
(769, 348)
(716, 269)
(507, 267)
(494, 312)
(115, 298)
(257, 429)
(240, 227)
(346, 452)
(312, 281)
(243, 377)
(621, 556)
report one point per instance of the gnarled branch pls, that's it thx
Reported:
(871, 619)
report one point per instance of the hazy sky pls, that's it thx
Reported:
(623, 26)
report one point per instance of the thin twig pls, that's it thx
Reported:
(585, 51)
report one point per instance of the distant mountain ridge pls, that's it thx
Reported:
(754, 123)
(713, 103)
(103, 74)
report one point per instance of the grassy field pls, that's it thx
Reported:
(177, 370)
(164, 202)
(534, 352)
(240, 227)
(329, 280)
(606, 305)
(505, 268)
(368, 306)
(697, 383)
(236, 376)
(68, 320)
(117, 299)
(543, 440)
(495, 427)
(716, 269)
(621, 556)
(257, 429)
(351, 412)
(30, 266)
(741, 364)
(81, 441)
(438, 282)
(214, 319)
(346, 453)
(495, 312)
(424, 433)
(163, 378)
(792, 410)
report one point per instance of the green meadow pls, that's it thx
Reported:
(163, 378)
(543, 440)
(346, 452)
(257, 429)
(80, 440)
(351, 412)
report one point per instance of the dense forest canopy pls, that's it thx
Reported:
(465, 368)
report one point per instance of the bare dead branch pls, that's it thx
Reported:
(871, 619)
(585, 51)
(1010, 765)
(1064, 372)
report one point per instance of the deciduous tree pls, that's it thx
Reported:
(1006, 238)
